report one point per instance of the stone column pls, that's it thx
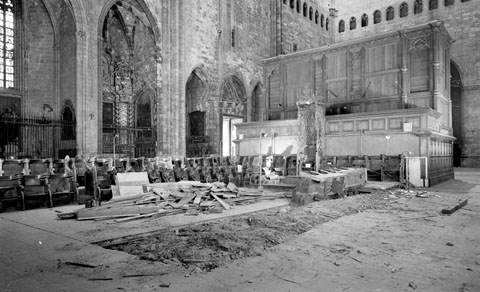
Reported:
(312, 131)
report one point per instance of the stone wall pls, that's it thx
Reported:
(41, 59)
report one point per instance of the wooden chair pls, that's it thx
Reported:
(35, 182)
(103, 179)
(11, 173)
(62, 182)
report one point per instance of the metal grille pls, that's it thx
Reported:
(37, 138)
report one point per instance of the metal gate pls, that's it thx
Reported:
(37, 137)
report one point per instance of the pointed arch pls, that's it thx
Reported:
(364, 20)
(377, 17)
(258, 103)
(418, 7)
(353, 23)
(390, 13)
(341, 26)
(403, 9)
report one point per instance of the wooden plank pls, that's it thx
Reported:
(185, 200)
(115, 210)
(458, 206)
(136, 217)
(106, 217)
(224, 205)
(198, 199)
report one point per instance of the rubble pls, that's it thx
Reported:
(162, 199)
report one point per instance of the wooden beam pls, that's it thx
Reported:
(452, 210)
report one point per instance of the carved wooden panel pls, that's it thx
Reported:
(298, 73)
(383, 85)
(333, 127)
(337, 90)
(298, 79)
(274, 90)
(347, 126)
(382, 57)
(363, 125)
(415, 122)
(395, 124)
(318, 67)
(356, 71)
(419, 64)
(378, 124)
(336, 65)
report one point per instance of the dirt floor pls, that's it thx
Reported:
(209, 245)
(383, 241)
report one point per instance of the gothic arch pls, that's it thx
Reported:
(258, 102)
(144, 8)
(128, 47)
(233, 96)
(53, 21)
(197, 111)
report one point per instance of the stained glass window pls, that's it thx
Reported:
(7, 37)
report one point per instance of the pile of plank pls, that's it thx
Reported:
(163, 199)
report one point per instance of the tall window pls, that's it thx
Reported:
(448, 2)
(322, 20)
(433, 4)
(310, 13)
(7, 43)
(364, 20)
(418, 7)
(403, 9)
(341, 26)
(390, 13)
(316, 17)
(377, 16)
(305, 9)
(353, 23)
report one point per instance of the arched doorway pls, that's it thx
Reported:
(196, 115)
(457, 116)
(234, 111)
(129, 60)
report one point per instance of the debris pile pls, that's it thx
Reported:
(162, 199)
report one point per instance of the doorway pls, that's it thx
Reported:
(457, 116)
(229, 134)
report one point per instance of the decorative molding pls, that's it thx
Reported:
(419, 43)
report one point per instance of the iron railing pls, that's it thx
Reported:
(37, 137)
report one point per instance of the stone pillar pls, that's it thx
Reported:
(320, 124)
(312, 131)
(436, 68)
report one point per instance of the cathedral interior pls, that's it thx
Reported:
(174, 78)
(235, 92)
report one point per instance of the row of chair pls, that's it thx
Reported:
(39, 181)
(47, 180)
